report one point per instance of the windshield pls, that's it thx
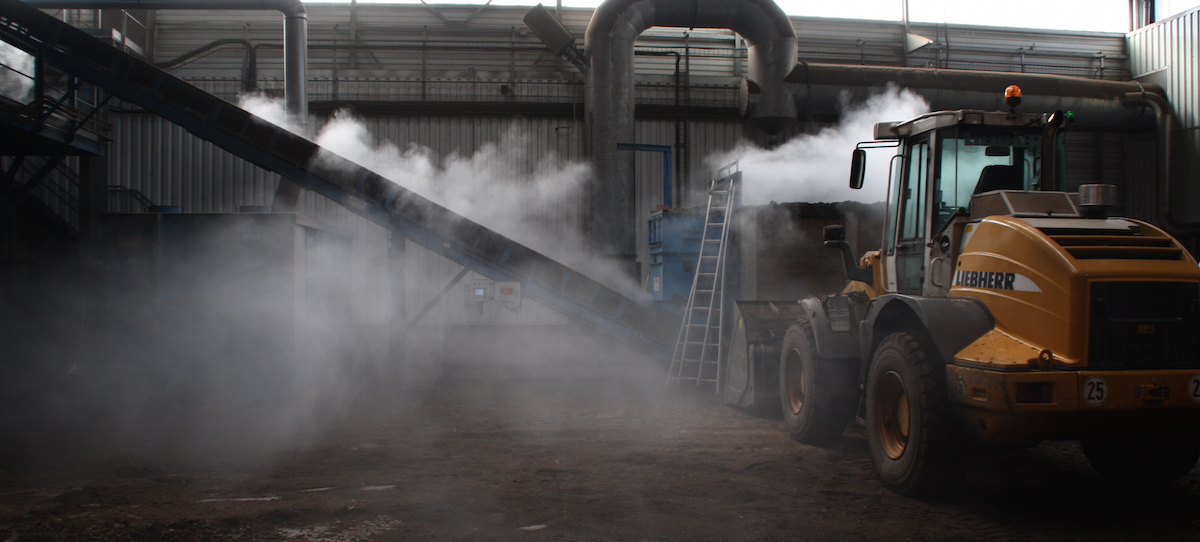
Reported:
(973, 161)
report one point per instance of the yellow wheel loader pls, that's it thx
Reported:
(1000, 310)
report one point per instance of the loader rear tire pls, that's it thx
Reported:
(1150, 459)
(909, 424)
(818, 396)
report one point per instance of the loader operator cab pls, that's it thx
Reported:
(943, 161)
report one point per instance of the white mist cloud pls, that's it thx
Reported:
(816, 167)
(16, 74)
(500, 186)
(271, 110)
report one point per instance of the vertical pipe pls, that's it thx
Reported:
(295, 62)
(424, 60)
(354, 34)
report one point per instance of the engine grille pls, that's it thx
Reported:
(1119, 247)
(1144, 325)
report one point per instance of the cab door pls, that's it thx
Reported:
(912, 217)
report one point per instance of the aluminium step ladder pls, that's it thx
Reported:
(696, 359)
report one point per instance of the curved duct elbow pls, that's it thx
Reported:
(609, 91)
(771, 106)
(768, 32)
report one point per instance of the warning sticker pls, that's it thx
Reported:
(995, 281)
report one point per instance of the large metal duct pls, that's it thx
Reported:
(821, 88)
(609, 93)
(295, 34)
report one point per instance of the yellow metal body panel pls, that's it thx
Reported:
(1132, 402)
(1039, 295)
(871, 261)
(1051, 313)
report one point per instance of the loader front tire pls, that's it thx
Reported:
(909, 427)
(818, 396)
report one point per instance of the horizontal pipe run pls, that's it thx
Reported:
(1096, 103)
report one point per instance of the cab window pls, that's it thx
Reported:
(911, 196)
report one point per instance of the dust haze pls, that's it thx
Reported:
(233, 340)
(218, 340)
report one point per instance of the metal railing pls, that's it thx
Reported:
(122, 199)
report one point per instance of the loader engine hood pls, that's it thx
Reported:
(1048, 279)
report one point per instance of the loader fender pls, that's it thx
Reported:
(835, 323)
(952, 322)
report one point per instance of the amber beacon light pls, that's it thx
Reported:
(1012, 96)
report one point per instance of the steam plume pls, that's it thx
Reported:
(500, 185)
(816, 167)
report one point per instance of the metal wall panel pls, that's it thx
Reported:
(410, 42)
(1095, 158)
(1138, 195)
(172, 167)
(1165, 53)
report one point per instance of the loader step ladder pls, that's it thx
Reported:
(696, 359)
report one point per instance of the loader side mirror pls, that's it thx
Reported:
(835, 237)
(858, 168)
(834, 233)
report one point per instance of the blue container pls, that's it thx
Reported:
(674, 249)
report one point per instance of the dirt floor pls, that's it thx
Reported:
(578, 448)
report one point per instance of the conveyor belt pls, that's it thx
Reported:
(354, 187)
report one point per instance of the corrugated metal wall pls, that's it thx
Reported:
(1166, 53)
(173, 167)
(409, 43)
(421, 54)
